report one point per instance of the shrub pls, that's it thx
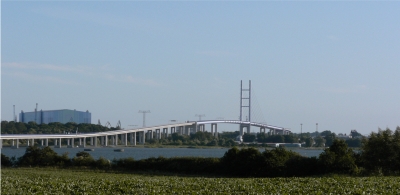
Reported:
(5, 161)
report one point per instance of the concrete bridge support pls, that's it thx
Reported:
(242, 127)
(262, 130)
(95, 142)
(134, 138)
(158, 134)
(214, 131)
(187, 130)
(165, 132)
(181, 130)
(15, 143)
(202, 127)
(57, 143)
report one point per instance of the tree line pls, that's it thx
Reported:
(379, 155)
(11, 127)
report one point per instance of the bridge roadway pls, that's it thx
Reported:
(154, 132)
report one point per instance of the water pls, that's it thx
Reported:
(143, 153)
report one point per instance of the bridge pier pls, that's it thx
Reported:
(133, 138)
(157, 132)
(16, 144)
(165, 132)
(187, 130)
(106, 140)
(125, 139)
(262, 130)
(214, 131)
(242, 126)
(202, 128)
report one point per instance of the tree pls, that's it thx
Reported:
(249, 137)
(5, 161)
(338, 159)
(309, 142)
(354, 142)
(275, 139)
(35, 156)
(329, 139)
(381, 152)
(325, 133)
(261, 137)
(319, 141)
(354, 133)
(289, 139)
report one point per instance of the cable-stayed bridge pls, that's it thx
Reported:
(132, 136)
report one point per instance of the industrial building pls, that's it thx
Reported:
(50, 116)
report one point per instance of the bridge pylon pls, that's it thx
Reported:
(245, 102)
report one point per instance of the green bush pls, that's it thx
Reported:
(5, 161)
(338, 158)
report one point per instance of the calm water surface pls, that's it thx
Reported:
(143, 153)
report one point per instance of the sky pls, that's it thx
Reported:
(332, 63)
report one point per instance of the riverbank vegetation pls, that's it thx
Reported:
(379, 155)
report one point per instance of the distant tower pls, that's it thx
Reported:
(246, 100)
(36, 113)
(200, 115)
(144, 116)
(14, 116)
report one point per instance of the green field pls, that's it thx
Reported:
(62, 181)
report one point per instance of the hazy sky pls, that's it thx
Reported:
(332, 63)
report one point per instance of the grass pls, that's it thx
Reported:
(63, 181)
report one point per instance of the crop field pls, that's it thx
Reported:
(62, 181)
